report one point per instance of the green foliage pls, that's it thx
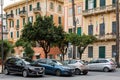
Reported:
(81, 41)
(28, 52)
(44, 32)
(7, 47)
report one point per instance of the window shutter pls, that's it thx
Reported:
(86, 3)
(94, 3)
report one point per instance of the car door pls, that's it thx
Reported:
(93, 65)
(10, 65)
(51, 67)
(19, 66)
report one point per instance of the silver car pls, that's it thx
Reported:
(105, 65)
(79, 65)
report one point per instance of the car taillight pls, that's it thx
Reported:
(111, 63)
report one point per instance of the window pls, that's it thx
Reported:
(113, 1)
(59, 20)
(38, 4)
(11, 61)
(11, 23)
(113, 50)
(43, 61)
(23, 21)
(79, 30)
(114, 27)
(51, 5)
(70, 30)
(70, 11)
(17, 21)
(70, 0)
(19, 11)
(90, 52)
(90, 30)
(30, 19)
(30, 7)
(102, 29)
(59, 8)
(23, 8)
(11, 34)
(79, 9)
(91, 4)
(17, 34)
(11, 11)
(16, 11)
(102, 3)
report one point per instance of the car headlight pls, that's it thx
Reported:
(31, 68)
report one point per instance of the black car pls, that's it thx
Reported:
(24, 66)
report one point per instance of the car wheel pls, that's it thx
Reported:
(106, 69)
(25, 74)
(6, 72)
(85, 72)
(77, 71)
(58, 72)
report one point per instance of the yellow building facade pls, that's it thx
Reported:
(99, 19)
(18, 12)
(78, 6)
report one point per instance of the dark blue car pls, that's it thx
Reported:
(55, 67)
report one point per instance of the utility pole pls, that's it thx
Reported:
(26, 11)
(74, 27)
(2, 51)
(117, 33)
(46, 8)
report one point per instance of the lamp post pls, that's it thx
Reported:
(117, 33)
(74, 28)
(2, 51)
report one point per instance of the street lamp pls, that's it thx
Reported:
(2, 51)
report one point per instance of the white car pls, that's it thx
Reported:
(79, 65)
(105, 65)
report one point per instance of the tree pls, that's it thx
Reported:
(81, 41)
(43, 31)
(6, 48)
(63, 45)
(28, 52)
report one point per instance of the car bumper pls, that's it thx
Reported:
(36, 73)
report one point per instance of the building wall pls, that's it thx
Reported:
(19, 5)
(95, 17)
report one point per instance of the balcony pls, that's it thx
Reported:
(37, 10)
(22, 13)
(106, 37)
(17, 27)
(10, 16)
(99, 10)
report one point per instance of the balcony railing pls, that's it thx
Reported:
(22, 13)
(37, 9)
(99, 10)
(17, 27)
(108, 36)
(10, 16)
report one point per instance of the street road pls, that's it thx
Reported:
(92, 75)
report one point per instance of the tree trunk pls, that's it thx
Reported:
(63, 57)
(46, 55)
(80, 55)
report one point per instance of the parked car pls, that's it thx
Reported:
(55, 67)
(24, 66)
(105, 65)
(79, 65)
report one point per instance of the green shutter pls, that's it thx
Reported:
(17, 34)
(95, 3)
(86, 5)
(113, 1)
(70, 30)
(38, 5)
(79, 30)
(102, 52)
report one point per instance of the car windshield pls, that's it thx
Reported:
(57, 62)
(28, 61)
